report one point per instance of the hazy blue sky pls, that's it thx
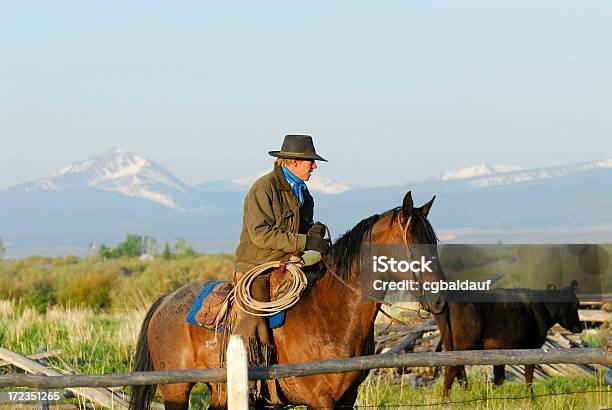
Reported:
(392, 91)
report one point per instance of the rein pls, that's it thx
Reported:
(257, 308)
(403, 232)
(444, 332)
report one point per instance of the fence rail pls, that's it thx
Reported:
(468, 357)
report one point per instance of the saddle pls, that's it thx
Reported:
(210, 306)
(280, 281)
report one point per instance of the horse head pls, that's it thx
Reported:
(408, 230)
(565, 310)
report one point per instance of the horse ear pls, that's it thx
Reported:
(408, 204)
(425, 208)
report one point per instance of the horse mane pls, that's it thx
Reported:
(345, 253)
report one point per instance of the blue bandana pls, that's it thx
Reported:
(297, 185)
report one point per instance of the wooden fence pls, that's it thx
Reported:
(239, 373)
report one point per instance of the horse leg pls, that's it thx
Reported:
(349, 397)
(499, 374)
(176, 396)
(462, 377)
(450, 373)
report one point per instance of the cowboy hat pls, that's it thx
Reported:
(297, 147)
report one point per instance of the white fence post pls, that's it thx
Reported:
(237, 374)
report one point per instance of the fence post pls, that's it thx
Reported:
(237, 374)
(44, 404)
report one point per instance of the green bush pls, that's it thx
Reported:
(132, 247)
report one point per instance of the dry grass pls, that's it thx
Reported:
(94, 342)
(554, 393)
(104, 342)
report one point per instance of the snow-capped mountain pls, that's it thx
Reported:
(315, 184)
(119, 170)
(479, 170)
(328, 186)
(486, 175)
(103, 198)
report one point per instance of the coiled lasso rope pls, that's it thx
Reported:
(245, 300)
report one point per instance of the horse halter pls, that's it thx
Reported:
(422, 306)
(421, 298)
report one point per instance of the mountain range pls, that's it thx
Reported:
(103, 198)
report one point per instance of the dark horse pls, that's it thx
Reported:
(518, 319)
(331, 321)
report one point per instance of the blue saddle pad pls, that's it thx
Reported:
(273, 321)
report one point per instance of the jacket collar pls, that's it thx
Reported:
(281, 182)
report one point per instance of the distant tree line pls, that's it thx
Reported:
(135, 246)
(70, 281)
(2, 248)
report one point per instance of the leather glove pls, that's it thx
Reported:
(317, 228)
(316, 243)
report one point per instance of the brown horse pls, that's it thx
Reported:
(331, 321)
(518, 319)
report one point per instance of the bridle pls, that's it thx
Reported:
(445, 332)
(421, 299)
(417, 275)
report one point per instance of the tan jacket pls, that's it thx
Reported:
(274, 224)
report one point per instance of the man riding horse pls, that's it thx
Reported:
(277, 222)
